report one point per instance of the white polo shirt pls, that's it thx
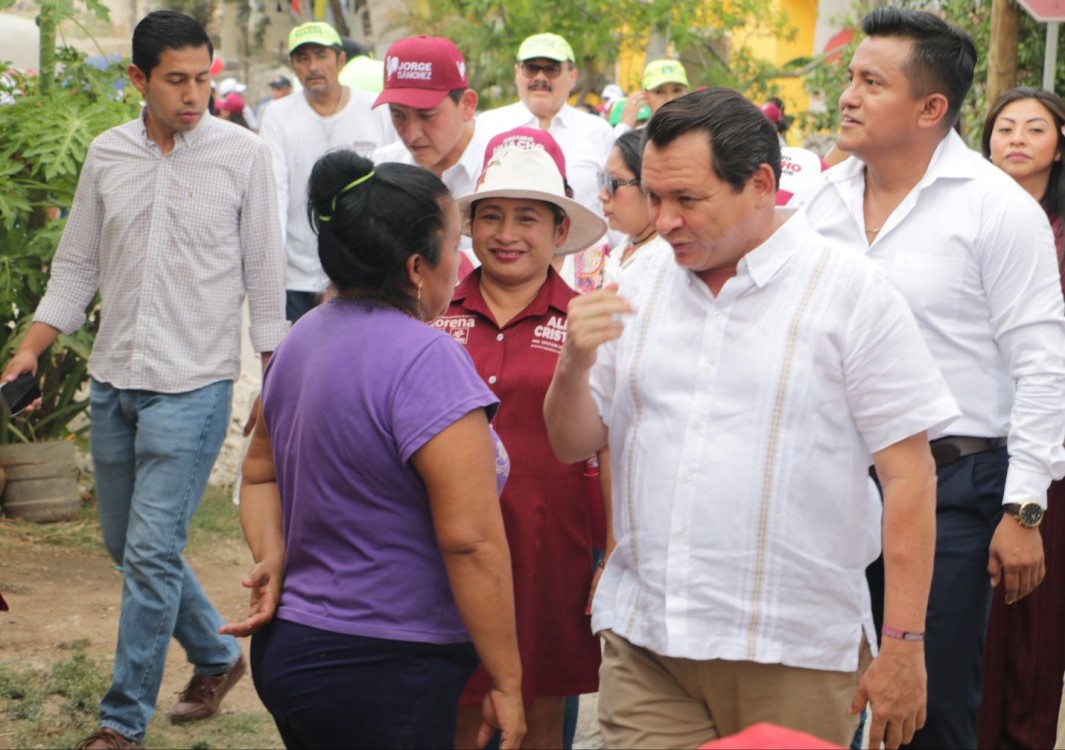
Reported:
(974, 256)
(742, 428)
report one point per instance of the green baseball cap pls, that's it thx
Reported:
(314, 32)
(548, 46)
(663, 71)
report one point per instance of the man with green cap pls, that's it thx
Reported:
(545, 74)
(299, 129)
(663, 81)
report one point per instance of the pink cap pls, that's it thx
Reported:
(232, 103)
(527, 138)
(772, 111)
(420, 71)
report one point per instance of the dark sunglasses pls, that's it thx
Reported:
(550, 70)
(612, 185)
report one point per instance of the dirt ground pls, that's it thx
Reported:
(60, 596)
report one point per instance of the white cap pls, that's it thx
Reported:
(231, 86)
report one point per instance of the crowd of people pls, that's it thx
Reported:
(555, 405)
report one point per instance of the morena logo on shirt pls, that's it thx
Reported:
(457, 326)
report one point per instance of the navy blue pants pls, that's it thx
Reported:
(330, 690)
(968, 509)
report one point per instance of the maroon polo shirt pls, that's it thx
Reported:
(545, 502)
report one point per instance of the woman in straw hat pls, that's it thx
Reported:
(511, 315)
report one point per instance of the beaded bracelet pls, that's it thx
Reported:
(902, 635)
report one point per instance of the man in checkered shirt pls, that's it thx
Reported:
(174, 221)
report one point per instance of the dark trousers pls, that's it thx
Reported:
(968, 508)
(298, 304)
(330, 690)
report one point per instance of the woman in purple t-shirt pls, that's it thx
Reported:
(370, 496)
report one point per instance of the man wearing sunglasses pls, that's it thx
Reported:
(545, 74)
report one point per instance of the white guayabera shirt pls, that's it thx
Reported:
(742, 428)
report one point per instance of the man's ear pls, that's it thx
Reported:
(468, 104)
(137, 78)
(933, 112)
(764, 184)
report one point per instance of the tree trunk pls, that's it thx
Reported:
(339, 22)
(1002, 55)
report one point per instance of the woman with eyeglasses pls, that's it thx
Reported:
(625, 208)
(510, 314)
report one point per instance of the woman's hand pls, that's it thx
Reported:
(502, 710)
(264, 580)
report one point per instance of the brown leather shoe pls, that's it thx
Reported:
(203, 696)
(106, 738)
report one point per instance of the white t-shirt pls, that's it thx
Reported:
(297, 137)
(974, 256)
(741, 429)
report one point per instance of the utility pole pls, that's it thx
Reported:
(1002, 55)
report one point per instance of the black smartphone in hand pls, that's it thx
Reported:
(19, 393)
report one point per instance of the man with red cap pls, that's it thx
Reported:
(432, 107)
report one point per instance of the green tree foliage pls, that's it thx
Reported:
(974, 16)
(45, 132)
(710, 37)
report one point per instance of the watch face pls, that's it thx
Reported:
(1030, 514)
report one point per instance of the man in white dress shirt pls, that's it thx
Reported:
(747, 384)
(299, 129)
(973, 255)
(545, 74)
(432, 107)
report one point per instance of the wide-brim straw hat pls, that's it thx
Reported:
(531, 174)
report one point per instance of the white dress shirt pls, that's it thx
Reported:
(297, 137)
(742, 428)
(974, 256)
(172, 242)
(585, 141)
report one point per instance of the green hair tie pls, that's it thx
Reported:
(346, 188)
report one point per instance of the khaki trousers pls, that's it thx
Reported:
(652, 701)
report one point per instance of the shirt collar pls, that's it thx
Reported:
(554, 293)
(473, 156)
(564, 117)
(181, 138)
(763, 263)
(951, 159)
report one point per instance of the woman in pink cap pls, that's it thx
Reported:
(511, 315)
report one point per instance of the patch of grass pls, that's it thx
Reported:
(56, 705)
(216, 519)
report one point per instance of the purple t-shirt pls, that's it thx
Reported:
(351, 393)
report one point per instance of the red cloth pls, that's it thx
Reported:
(768, 737)
(1025, 656)
(545, 502)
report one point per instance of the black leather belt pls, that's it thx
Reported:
(947, 450)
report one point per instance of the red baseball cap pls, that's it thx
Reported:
(527, 138)
(420, 71)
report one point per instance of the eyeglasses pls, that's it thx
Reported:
(550, 70)
(611, 185)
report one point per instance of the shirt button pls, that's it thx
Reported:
(491, 379)
(499, 337)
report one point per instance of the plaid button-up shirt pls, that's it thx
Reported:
(173, 242)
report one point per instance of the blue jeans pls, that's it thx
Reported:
(153, 453)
